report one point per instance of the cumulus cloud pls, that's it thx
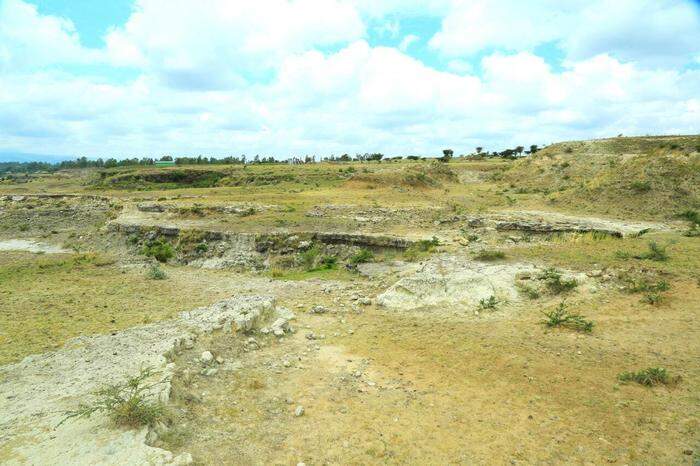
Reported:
(214, 44)
(28, 39)
(290, 77)
(650, 32)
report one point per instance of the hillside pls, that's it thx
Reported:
(644, 177)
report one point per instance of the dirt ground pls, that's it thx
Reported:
(432, 381)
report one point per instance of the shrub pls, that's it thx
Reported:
(641, 186)
(652, 298)
(156, 273)
(530, 291)
(556, 283)
(487, 255)
(637, 286)
(160, 249)
(126, 403)
(201, 247)
(488, 304)
(656, 252)
(693, 216)
(560, 317)
(362, 256)
(648, 377)
(329, 262)
(420, 248)
(308, 257)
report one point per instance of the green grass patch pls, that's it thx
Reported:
(648, 377)
(561, 317)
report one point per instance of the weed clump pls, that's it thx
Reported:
(692, 216)
(362, 256)
(560, 317)
(156, 273)
(556, 283)
(308, 257)
(421, 248)
(127, 403)
(529, 291)
(656, 252)
(648, 377)
(329, 262)
(489, 255)
(159, 249)
(488, 304)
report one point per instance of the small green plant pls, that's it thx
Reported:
(421, 248)
(652, 298)
(489, 255)
(488, 304)
(656, 252)
(648, 377)
(638, 286)
(362, 256)
(692, 216)
(329, 262)
(160, 249)
(556, 283)
(201, 247)
(308, 257)
(156, 273)
(127, 403)
(529, 291)
(560, 317)
(641, 186)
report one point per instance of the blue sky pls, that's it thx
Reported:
(294, 77)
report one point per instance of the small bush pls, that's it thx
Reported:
(362, 256)
(156, 273)
(488, 304)
(329, 262)
(656, 252)
(160, 249)
(693, 216)
(560, 317)
(308, 257)
(126, 404)
(638, 286)
(421, 248)
(488, 255)
(648, 377)
(530, 291)
(201, 247)
(641, 186)
(556, 283)
(652, 298)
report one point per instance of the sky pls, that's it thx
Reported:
(133, 78)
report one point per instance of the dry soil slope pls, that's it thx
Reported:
(642, 177)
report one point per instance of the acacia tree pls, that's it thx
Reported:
(447, 155)
(479, 149)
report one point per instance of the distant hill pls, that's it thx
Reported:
(646, 177)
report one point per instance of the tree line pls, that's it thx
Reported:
(84, 162)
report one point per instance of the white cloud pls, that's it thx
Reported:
(294, 77)
(215, 44)
(28, 39)
(650, 32)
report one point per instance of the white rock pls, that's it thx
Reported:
(206, 357)
(319, 309)
(299, 411)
